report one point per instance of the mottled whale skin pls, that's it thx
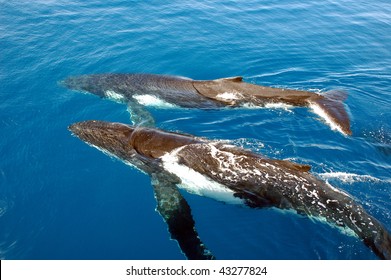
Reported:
(232, 174)
(225, 92)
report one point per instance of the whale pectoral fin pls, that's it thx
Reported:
(176, 213)
(139, 115)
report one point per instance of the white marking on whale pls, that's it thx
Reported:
(152, 101)
(229, 96)
(117, 97)
(196, 183)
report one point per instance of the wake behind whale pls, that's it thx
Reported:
(230, 174)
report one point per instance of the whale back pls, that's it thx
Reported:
(154, 143)
(234, 92)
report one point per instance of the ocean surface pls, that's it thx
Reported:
(61, 199)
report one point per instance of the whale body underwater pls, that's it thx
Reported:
(227, 173)
(143, 89)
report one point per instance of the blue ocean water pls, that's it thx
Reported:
(60, 199)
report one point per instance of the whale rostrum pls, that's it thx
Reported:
(231, 174)
(147, 89)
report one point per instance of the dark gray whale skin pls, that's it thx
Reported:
(207, 94)
(256, 180)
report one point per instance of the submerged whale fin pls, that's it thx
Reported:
(331, 108)
(139, 115)
(176, 213)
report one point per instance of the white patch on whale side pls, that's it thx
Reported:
(114, 96)
(322, 113)
(228, 96)
(196, 183)
(153, 101)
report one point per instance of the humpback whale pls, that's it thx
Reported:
(231, 174)
(143, 89)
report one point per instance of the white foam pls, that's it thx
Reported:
(178, 119)
(153, 101)
(249, 105)
(271, 105)
(348, 177)
(322, 113)
(279, 105)
(115, 96)
(196, 183)
(337, 190)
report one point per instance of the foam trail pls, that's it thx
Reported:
(348, 177)
(282, 106)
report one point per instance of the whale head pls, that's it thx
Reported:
(113, 138)
(124, 141)
(95, 84)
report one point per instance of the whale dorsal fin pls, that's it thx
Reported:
(237, 79)
(295, 166)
